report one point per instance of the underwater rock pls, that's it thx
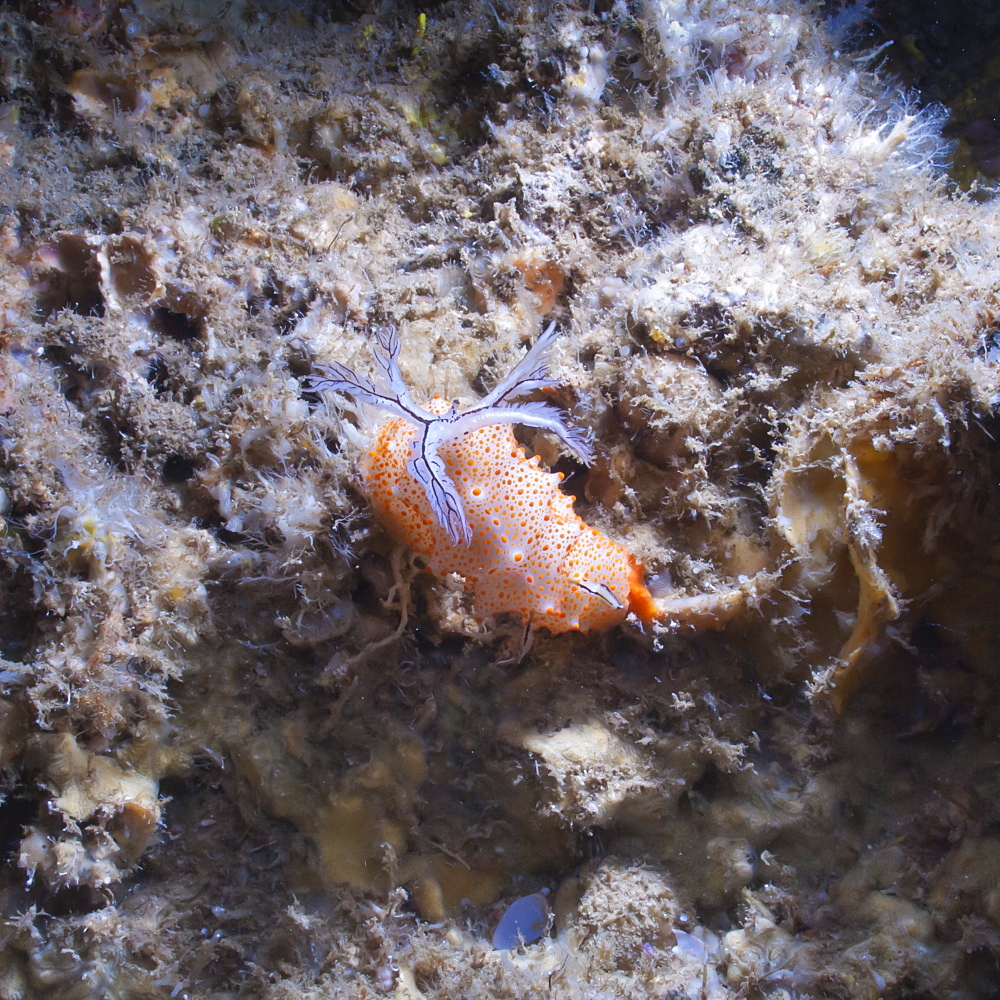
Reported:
(118, 807)
(229, 701)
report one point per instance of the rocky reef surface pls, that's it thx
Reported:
(250, 747)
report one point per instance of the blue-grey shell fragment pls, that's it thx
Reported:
(523, 922)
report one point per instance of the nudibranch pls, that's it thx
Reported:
(455, 486)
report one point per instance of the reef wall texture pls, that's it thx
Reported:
(250, 748)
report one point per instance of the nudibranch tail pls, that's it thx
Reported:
(640, 600)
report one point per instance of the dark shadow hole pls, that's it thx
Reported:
(158, 375)
(19, 809)
(174, 324)
(177, 469)
(74, 900)
(980, 975)
(19, 619)
(75, 284)
(707, 786)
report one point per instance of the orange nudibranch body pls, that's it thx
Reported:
(530, 553)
